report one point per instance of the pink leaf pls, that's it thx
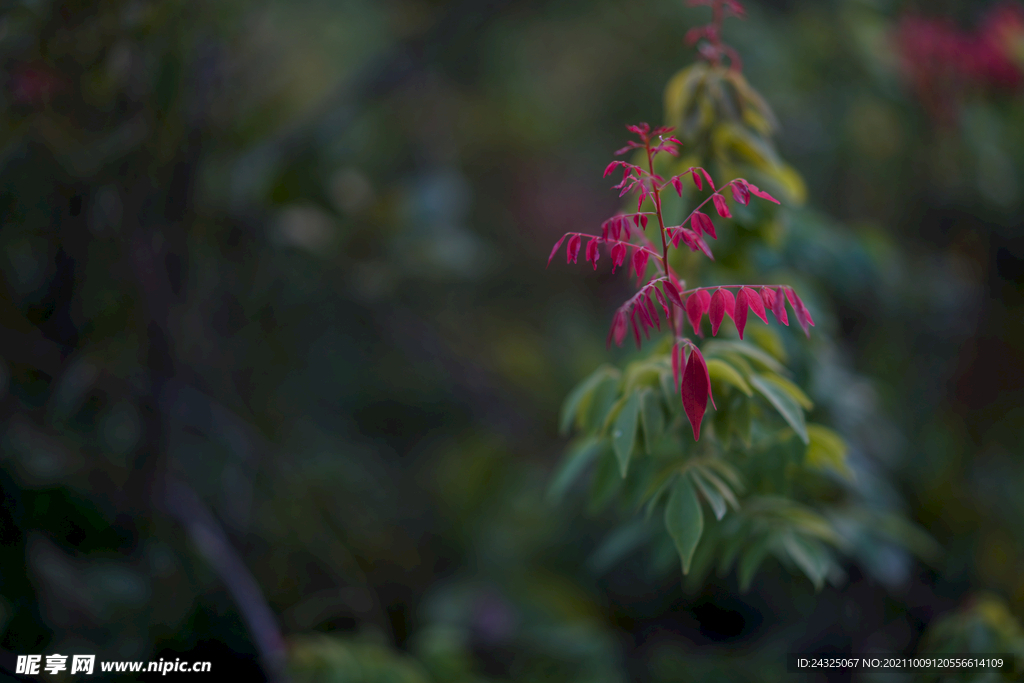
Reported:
(661, 300)
(573, 250)
(555, 250)
(768, 297)
(740, 192)
(676, 370)
(756, 305)
(696, 179)
(803, 316)
(618, 255)
(739, 316)
(636, 328)
(708, 178)
(762, 194)
(652, 312)
(723, 303)
(643, 222)
(720, 206)
(695, 390)
(672, 292)
(610, 168)
(702, 223)
(696, 306)
(618, 330)
(593, 253)
(640, 263)
(678, 185)
(779, 308)
(703, 246)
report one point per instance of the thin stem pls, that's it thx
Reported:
(656, 191)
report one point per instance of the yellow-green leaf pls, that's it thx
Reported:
(720, 371)
(827, 449)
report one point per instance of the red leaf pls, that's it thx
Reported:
(652, 312)
(703, 246)
(768, 297)
(723, 303)
(593, 253)
(708, 178)
(636, 328)
(661, 300)
(779, 309)
(676, 370)
(573, 250)
(643, 222)
(803, 316)
(720, 206)
(610, 168)
(756, 304)
(618, 255)
(555, 250)
(672, 293)
(695, 390)
(739, 316)
(640, 263)
(762, 194)
(696, 306)
(696, 179)
(678, 185)
(702, 223)
(618, 330)
(740, 192)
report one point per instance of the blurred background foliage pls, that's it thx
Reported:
(281, 367)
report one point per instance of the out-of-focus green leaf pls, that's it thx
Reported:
(827, 449)
(572, 466)
(624, 431)
(795, 392)
(752, 558)
(617, 545)
(720, 347)
(720, 371)
(684, 520)
(809, 555)
(783, 403)
(710, 493)
(580, 398)
(652, 417)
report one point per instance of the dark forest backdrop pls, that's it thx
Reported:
(281, 367)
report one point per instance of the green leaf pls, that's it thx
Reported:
(684, 520)
(795, 392)
(604, 484)
(710, 493)
(720, 347)
(594, 408)
(827, 449)
(624, 432)
(720, 371)
(652, 417)
(617, 545)
(784, 403)
(572, 466)
(726, 470)
(768, 339)
(673, 399)
(751, 560)
(575, 399)
(645, 373)
(809, 555)
(720, 486)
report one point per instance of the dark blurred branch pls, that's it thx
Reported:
(182, 503)
(376, 79)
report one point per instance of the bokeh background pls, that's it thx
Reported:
(280, 363)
